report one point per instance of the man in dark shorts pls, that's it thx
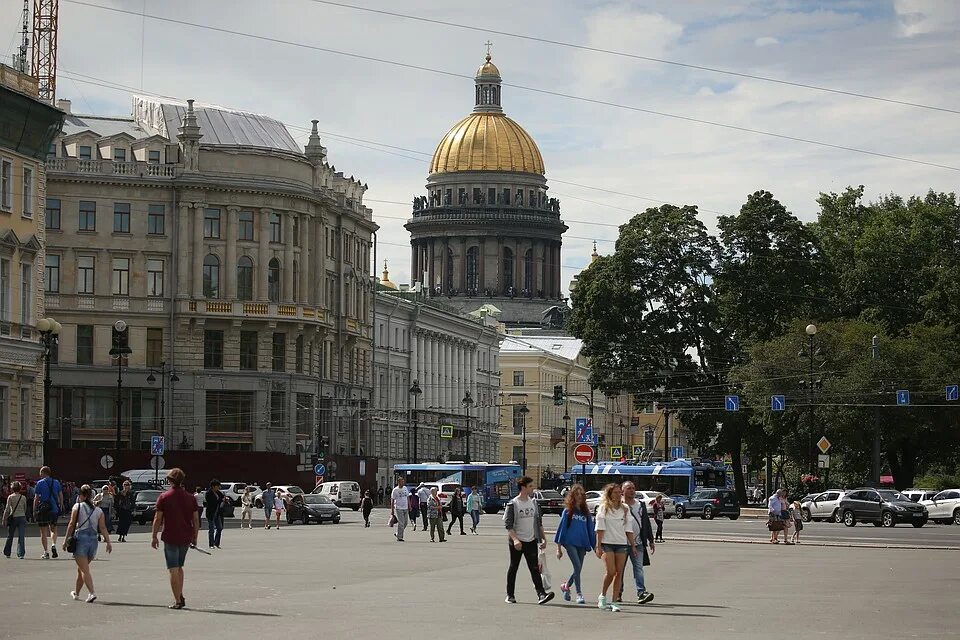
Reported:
(178, 517)
(47, 506)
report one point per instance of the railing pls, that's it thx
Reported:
(473, 210)
(108, 167)
(265, 310)
(86, 302)
(19, 448)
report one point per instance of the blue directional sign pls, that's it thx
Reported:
(156, 445)
(320, 469)
(733, 403)
(778, 403)
(953, 392)
(585, 430)
(677, 452)
(903, 397)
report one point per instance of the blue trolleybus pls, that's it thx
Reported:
(679, 477)
(497, 482)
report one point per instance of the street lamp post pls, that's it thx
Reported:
(811, 347)
(173, 377)
(875, 353)
(467, 404)
(566, 438)
(523, 437)
(415, 391)
(119, 350)
(49, 337)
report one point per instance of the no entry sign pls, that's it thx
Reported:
(583, 453)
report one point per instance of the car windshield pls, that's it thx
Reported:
(550, 494)
(892, 495)
(148, 496)
(294, 490)
(314, 498)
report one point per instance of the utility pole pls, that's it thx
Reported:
(874, 354)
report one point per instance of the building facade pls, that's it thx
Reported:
(240, 263)
(27, 126)
(486, 231)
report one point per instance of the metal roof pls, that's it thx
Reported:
(103, 127)
(560, 346)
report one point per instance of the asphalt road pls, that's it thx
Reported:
(345, 581)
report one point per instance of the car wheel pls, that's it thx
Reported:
(336, 520)
(141, 522)
(680, 513)
(356, 508)
(707, 513)
(956, 517)
(917, 525)
(734, 517)
(805, 515)
(836, 517)
(886, 519)
(849, 519)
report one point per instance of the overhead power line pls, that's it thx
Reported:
(558, 94)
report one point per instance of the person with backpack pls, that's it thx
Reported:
(474, 504)
(643, 538)
(524, 524)
(86, 521)
(15, 517)
(576, 536)
(456, 511)
(47, 506)
(414, 509)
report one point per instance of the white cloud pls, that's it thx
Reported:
(766, 41)
(919, 17)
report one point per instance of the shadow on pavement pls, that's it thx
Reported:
(217, 611)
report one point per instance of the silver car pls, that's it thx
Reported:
(823, 506)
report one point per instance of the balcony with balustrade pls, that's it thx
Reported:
(112, 168)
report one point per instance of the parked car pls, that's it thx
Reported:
(650, 497)
(550, 501)
(445, 491)
(287, 488)
(710, 503)
(823, 506)
(944, 507)
(593, 500)
(234, 490)
(882, 507)
(919, 495)
(312, 506)
(343, 493)
(145, 505)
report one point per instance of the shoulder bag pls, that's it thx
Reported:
(71, 544)
(10, 520)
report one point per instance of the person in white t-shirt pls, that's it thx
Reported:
(615, 540)
(423, 495)
(524, 524)
(399, 507)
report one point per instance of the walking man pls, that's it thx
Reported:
(177, 515)
(524, 524)
(399, 507)
(47, 506)
(474, 503)
(269, 498)
(643, 534)
(423, 494)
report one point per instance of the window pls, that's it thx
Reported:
(88, 215)
(84, 152)
(245, 225)
(6, 184)
(52, 149)
(648, 409)
(248, 350)
(244, 278)
(27, 192)
(273, 280)
(26, 291)
(153, 156)
(25, 412)
(279, 351)
(121, 276)
(211, 223)
(154, 347)
(211, 276)
(212, 349)
(507, 271)
(296, 231)
(84, 344)
(121, 217)
(155, 278)
(85, 269)
(528, 271)
(473, 270)
(517, 453)
(518, 378)
(156, 219)
(4, 416)
(53, 213)
(119, 155)
(51, 273)
(278, 409)
(4, 289)
(230, 411)
(491, 195)
(519, 420)
(298, 361)
(275, 228)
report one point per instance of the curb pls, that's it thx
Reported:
(847, 545)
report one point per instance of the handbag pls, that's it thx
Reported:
(10, 520)
(71, 544)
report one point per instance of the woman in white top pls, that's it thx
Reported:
(86, 520)
(614, 541)
(279, 505)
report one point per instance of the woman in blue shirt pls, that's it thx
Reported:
(576, 535)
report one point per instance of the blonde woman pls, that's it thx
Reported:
(86, 520)
(615, 540)
(246, 513)
(279, 505)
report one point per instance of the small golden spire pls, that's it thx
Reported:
(488, 45)
(386, 274)
(594, 255)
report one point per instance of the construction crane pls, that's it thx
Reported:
(45, 17)
(20, 58)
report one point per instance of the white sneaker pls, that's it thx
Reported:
(74, 595)
(91, 598)
(602, 603)
(45, 556)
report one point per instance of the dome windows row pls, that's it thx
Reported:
(500, 196)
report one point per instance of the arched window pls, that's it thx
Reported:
(448, 272)
(507, 271)
(473, 279)
(211, 276)
(273, 280)
(244, 278)
(528, 272)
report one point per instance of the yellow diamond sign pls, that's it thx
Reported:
(823, 444)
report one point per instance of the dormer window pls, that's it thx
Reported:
(84, 152)
(119, 155)
(153, 156)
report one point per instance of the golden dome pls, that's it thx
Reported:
(488, 69)
(385, 279)
(487, 142)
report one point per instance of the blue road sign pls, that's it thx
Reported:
(320, 469)
(733, 403)
(585, 430)
(778, 403)
(156, 445)
(903, 397)
(953, 392)
(677, 452)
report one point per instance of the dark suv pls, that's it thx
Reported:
(882, 507)
(709, 503)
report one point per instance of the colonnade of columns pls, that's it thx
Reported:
(446, 369)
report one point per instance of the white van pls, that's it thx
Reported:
(147, 476)
(344, 493)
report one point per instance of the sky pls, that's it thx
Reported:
(381, 122)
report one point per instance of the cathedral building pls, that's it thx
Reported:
(486, 232)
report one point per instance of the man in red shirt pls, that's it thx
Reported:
(177, 516)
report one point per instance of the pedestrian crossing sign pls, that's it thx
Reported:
(616, 452)
(446, 431)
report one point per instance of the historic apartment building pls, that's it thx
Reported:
(240, 263)
(27, 127)
(454, 359)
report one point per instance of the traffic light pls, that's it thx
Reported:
(324, 446)
(558, 395)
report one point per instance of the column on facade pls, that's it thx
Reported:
(230, 261)
(430, 267)
(320, 271)
(413, 262)
(500, 284)
(481, 264)
(263, 256)
(198, 253)
(556, 269)
(305, 267)
(183, 253)
(539, 260)
(429, 368)
(287, 270)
